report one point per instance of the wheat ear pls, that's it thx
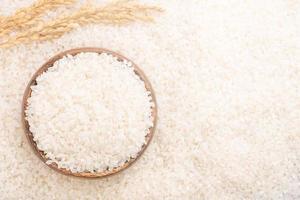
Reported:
(120, 12)
(27, 17)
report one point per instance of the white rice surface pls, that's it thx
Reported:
(226, 76)
(89, 112)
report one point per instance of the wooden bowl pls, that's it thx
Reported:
(41, 154)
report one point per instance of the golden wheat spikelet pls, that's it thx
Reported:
(120, 12)
(29, 16)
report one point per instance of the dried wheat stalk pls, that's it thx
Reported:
(121, 12)
(29, 16)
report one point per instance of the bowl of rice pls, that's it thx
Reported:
(89, 112)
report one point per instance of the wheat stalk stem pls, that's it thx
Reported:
(29, 16)
(118, 13)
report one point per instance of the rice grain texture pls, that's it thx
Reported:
(226, 76)
(89, 112)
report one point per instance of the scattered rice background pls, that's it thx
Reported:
(226, 75)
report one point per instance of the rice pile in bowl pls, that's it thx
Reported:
(89, 112)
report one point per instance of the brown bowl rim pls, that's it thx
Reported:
(41, 154)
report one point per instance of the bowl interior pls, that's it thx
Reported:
(41, 154)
